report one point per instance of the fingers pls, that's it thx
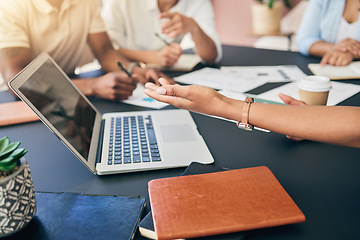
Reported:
(164, 81)
(349, 45)
(146, 75)
(294, 138)
(163, 90)
(291, 101)
(175, 25)
(162, 94)
(166, 14)
(170, 16)
(341, 61)
(324, 60)
(121, 94)
(166, 88)
(122, 91)
(337, 58)
(152, 76)
(170, 54)
(173, 29)
(167, 78)
(113, 86)
(123, 79)
(175, 48)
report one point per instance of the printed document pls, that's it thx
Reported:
(339, 92)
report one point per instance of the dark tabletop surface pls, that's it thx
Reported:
(322, 179)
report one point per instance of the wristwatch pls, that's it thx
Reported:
(245, 115)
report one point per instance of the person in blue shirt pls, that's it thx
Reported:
(330, 29)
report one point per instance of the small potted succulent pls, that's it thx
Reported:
(266, 16)
(17, 196)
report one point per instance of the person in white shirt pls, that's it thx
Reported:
(63, 28)
(133, 24)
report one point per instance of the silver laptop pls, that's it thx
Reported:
(113, 142)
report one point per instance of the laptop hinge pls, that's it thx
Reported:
(100, 142)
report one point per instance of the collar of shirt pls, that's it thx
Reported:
(45, 7)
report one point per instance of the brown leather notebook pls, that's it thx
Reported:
(16, 112)
(219, 203)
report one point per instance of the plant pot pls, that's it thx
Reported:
(265, 20)
(17, 200)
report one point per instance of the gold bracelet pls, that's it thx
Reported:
(245, 115)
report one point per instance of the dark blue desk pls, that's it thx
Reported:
(322, 179)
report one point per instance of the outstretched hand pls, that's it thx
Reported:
(193, 98)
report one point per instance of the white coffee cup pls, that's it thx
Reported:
(314, 90)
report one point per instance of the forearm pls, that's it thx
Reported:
(320, 48)
(108, 61)
(336, 125)
(13, 60)
(103, 51)
(204, 45)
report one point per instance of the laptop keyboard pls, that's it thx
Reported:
(132, 140)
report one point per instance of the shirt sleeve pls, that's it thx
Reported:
(114, 22)
(97, 24)
(309, 31)
(12, 26)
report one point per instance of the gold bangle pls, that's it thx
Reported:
(245, 115)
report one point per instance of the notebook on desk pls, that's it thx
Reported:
(113, 142)
(219, 203)
(75, 216)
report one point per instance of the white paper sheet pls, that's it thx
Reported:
(339, 92)
(139, 98)
(280, 73)
(217, 79)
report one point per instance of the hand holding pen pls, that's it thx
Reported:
(123, 68)
(142, 75)
(170, 54)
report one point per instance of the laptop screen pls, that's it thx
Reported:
(61, 105)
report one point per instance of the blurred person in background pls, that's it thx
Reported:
(157, 31)
(63, 28)
(330, 29)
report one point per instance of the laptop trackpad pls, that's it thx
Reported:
(177, 133)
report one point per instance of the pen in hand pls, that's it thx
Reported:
(124, 69)
(129, 74)
(162, 39)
